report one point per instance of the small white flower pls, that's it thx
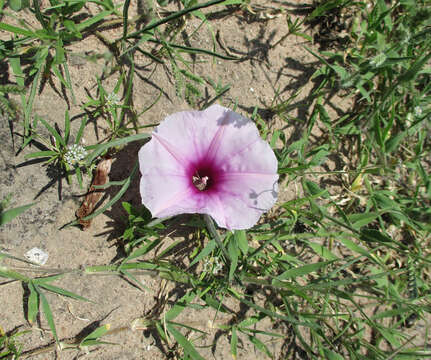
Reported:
(74, 154)
(212, 265)
(378, 60)
(418, 111)
(409, 119)
(112, 100)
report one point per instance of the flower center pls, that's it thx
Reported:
(200, 182)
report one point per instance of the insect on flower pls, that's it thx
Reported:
(209, 162)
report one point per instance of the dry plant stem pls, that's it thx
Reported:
(94, 194)
(213, 231)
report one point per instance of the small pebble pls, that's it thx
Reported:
(37, 256)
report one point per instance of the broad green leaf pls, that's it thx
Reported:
(414, 69)
(240, 237)
(17, 5)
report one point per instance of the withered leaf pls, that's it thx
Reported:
(94, 195)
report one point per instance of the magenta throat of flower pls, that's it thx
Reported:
(203, 176)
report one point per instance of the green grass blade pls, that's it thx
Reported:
(15, 30)
(59, 140)
(233, 254)
(48, 313)
(205, 252)
(260, 345)
(234, 343)
(11, 274)
(41, 154)
(63, 292)
(39, 15)
(96, 334)
(134, 279)
(93, 20)
(81, 130)
(29, 103)
(125, 18)
(303, 270)
(99, 149)
(186, 344)
(192, 50)
(174, 16)
(66, 126)
(32, 303)
(9, 215)
(69, 81)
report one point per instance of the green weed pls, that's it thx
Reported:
(340, 271)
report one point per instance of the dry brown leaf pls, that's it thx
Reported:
(94, 195)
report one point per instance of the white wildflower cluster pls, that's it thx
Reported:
(418, 111)
(74, 154)
(212, 265)
(378, 60)
(112, 100)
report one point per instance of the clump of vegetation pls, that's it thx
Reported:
(342, 271)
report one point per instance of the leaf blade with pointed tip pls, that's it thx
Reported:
(9, 215)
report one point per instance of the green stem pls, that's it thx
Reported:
(213, 231)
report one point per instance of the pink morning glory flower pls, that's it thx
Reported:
(209, 162)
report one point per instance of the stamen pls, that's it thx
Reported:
(200, 182)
